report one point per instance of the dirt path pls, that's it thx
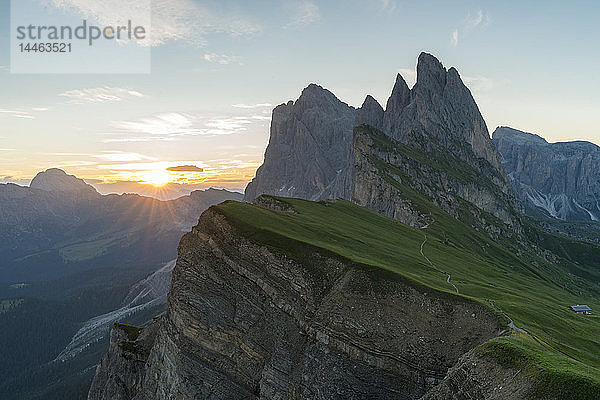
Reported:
(436, 268)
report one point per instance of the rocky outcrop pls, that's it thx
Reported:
(120, 372)
(559, 180)
(370, 113)
(391, 178)
(396, 103)
(441, 116)
(309, 146)
(248, 322)
(482, 378)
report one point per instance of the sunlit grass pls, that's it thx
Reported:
(483, 270)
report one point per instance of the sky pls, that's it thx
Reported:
(201, 117)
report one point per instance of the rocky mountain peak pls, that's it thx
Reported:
(398, 100)
(430, 72)
(309, 146)
(558, 180)
(370, 113)
(505, 132)
(316, 96)
(439, 115)
(57, 180)
(311, 151)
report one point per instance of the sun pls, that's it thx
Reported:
(156, 178)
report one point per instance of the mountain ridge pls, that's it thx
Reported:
(557, 180)
(437, 120)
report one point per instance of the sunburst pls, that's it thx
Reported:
(156, 178)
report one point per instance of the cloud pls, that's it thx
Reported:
(250, 106)
(8, 149)
(261, 117)
(172, 20)
(454, 38)
(39, 109)
(74, 164)
(305, 13)
(176, 125)
(220, 58)
(185, 168)
(17, 113)
(479, 83)
(118, 156)
(475, 83)
(409, 75)
(478, 21)
(98, 95)
(388, 5)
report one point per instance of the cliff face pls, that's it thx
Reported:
(389, 177)
(309, 146)
(439, 114)
(247, 322)
(480, 378)
(560, 180)
(120, 372)
(321, 157)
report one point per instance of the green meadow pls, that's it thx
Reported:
(534, 293)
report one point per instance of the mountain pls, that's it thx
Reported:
(57, 180)
(438, 114)
(558, 180)
(309, 146)
(403, 269)
(72, 262)
(431, 138)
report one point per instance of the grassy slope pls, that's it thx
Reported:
(480, 268)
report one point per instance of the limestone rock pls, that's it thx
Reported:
(558, 180)
(309, 146)
(120, 372)
(370, 113)
(247, 322)
(312, 153)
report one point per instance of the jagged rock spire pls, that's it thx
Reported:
(370, 113)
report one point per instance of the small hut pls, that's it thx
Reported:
(581, 309)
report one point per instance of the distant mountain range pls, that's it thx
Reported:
(69, 257)
(558, 180)
(61, 217)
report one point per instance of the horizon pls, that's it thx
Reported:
(166, 191)
(204, 112)
(173, 190)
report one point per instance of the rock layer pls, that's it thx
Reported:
(247, 322)
(388, 176)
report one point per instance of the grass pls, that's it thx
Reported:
(133, 332)
(526, 287)
(555, 376)
(130, 346)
